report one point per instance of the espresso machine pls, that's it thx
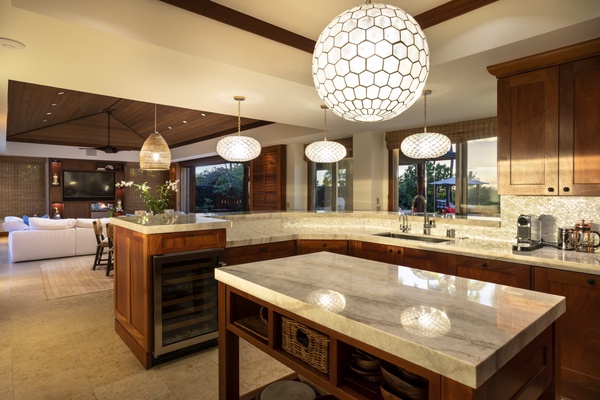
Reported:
(524, 241)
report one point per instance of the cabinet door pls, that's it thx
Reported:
(528, 133)
(314, 246)
(499, 272)
(378, 252)
(579, 124)
(424, 259)
(267, 180)
(259, 252)
(578, 329)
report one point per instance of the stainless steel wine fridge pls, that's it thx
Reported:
(185, 299)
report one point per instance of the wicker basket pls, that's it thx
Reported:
(307, 344)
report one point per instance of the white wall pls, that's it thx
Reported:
(370, 187)
(296, 178)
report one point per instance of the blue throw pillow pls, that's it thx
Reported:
(26, 219)
(45, 216)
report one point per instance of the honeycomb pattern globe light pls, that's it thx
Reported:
(425, 145)
(238, 148)
(371, 63)
(325, 151)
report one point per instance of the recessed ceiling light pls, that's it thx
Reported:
(169, 127)
(204, 115)
(185, 122)
(53, 105)
(11, 44)
(48, 113)
(44, 120)
(61, 93)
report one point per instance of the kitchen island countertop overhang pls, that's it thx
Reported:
(440, 327)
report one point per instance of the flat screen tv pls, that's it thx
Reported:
(88, 185)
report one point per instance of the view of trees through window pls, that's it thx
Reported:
(482, 194)
(334, 181)
(220, 187)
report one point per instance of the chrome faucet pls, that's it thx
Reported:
(404, 226)
(426, 224)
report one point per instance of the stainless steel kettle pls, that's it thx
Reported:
(566, 239)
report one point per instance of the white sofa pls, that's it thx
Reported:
(48, 238)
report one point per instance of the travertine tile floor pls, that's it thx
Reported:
(67, 349)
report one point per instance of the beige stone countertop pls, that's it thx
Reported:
(167, 223)
(549, 257)
(434, 321)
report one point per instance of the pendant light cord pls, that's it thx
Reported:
(425, 93)
(155, 118)
(325, 123)
(239, 116)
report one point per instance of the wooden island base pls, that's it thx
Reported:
(531, 374)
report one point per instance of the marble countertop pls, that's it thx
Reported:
(549, 257)
(463, 329)
(165, 223)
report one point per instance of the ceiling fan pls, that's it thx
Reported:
(107, 148)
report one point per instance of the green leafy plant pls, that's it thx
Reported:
(158, 205)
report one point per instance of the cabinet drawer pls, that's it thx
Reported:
(313, 246)
(259, 252)
(186, 241)
(425, 259)
(499, 272)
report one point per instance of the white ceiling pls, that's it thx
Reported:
(150, 51)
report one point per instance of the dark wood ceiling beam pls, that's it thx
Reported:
(217, 12)
(448, 11)
(245, 22)
(251, 125)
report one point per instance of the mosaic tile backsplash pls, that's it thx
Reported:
(551, 212)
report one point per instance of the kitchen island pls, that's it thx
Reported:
(191, 245)
(468, 339)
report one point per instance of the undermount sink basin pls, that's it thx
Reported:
(404, 236)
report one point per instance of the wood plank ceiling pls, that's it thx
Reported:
(59, 116)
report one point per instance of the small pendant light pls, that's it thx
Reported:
(426, 145)
(238, 148)
(325, 151)
(155, 154)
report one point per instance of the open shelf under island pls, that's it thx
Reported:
(466, 339)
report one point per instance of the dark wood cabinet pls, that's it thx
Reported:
(267, 179)
(548, 107)
(499, 272)
(314, 246)
(425, 259)
(579, 329)
(377, 252)
(134, 290)
(259, 252)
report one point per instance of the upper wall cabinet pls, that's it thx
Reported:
(548, 119)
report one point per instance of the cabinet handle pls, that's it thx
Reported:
(484, 265)
(398, 251)
(566, 189)
(263, 249)
(192, 234)
(551, 189)
(591, 281)
(390, 251)
(324, 244)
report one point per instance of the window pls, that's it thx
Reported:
(214, 185)
(331, 186)
(472, 162)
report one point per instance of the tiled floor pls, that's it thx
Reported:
(67, 349)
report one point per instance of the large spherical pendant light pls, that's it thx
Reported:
(371, 63)
(426, 145)
(325, 151)
(238, 148)
(155, 154)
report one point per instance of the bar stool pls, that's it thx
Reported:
(101, 244)
(110, 229)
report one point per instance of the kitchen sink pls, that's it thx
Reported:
(418, 238)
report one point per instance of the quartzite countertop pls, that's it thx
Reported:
(167, 223)
(441, 328)
(549, 257)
